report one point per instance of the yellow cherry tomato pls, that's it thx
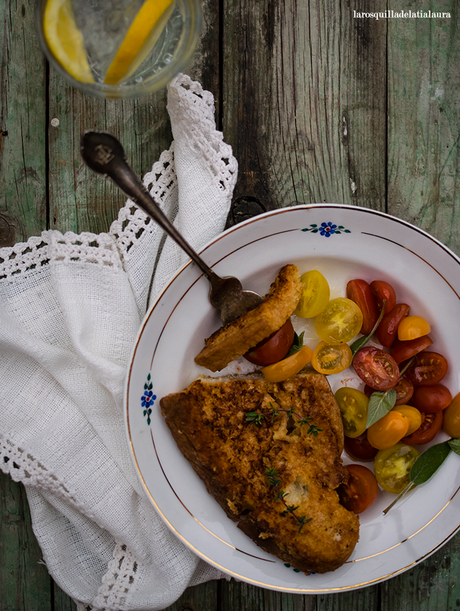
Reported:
(315, 294)
(412, 327)
(330, 358)
(392, 466)
(353, 407)
(288, 367)
(339, 322)
(387, 431)
(413, 414)
(451, 420)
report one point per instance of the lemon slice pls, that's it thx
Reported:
(65, 40)
(139, 40)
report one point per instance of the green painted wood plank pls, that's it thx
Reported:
(22, 128)
(304, 102)
(424, 121)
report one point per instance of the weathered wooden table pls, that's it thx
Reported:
(319, 104)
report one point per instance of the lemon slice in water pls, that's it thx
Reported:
(65, 40)
(139, 40)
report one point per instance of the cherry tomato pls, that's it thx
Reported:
(384, 291)
(404, 391)
(412, 414)
(427, 368)
(405, 350)
(376, 368)
(315, 294)
(329, 358)
(273, 348)
(413, 327)
(339, 322)
(288, 367)
(388, 327)
(359, 448)
(361, 293)
(361, 490)
(427, 431)
(387, 431)
(451, 420)
(392, 466)
(353, 407)
(433, 398)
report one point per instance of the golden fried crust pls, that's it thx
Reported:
(231, 455)
(237, 337)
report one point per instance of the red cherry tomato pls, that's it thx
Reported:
(427, 368)
(403, 351)
(451, 418)
(273, 348)
(361, 293)
(359, 448)
(388, 327)
(404, 391)
(384, 291)
(361, 490)
(376, 368)
(429, 399)
(427, 431)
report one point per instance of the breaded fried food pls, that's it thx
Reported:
(239, 461)
(237, 337)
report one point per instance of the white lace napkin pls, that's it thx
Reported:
(70, 309)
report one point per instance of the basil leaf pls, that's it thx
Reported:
(429, 462)
(297, 345)
(380, 404)
(454, 445)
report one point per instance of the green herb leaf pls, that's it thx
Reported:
(429, 462)
(297, 345)
(362, 341)
(454, 445)
(380, 404)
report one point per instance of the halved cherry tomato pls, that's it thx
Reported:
(353, 407)
(315, 294)
(361, 490)
(376, 368)
(361, 293)
(451, 421)
(404, 391)
(288, 367)
(384, 291)
(427, 431)
(392, 466)
(433, 398)
(413, 327)
(273, 348)
(427, 368)
(388, 327)
(329, 358)
(387, 431)
(339, 322)
(359, 448)
(405, 350)
(412, 414)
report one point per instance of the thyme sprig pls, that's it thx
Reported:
(258, 418)
(275, 481)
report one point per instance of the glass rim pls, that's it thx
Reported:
(154, 83)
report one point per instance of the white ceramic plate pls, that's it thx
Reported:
(343, 243)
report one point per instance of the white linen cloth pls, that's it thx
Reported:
(70, 309)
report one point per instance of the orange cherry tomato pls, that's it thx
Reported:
(413, 414)
(384, 291)
(413, 327)
(451, 422)
(361, 490)
(331, 358)
(273, 348)
(361, 293)
(288, 367)
(387, 431)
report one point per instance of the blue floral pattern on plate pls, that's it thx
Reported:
(148, 398)
(326, 229)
